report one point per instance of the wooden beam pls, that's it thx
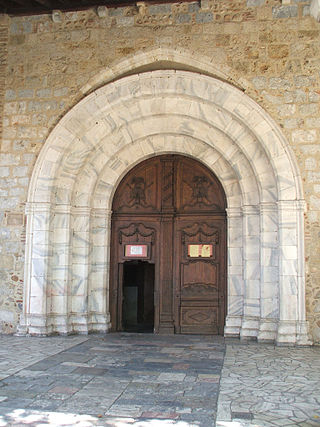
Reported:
(46, 3)
(20, 2)
(31, 7)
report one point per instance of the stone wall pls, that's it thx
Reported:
(270, 50)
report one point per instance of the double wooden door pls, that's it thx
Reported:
(169, 211)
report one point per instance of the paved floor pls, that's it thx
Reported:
(147, 380)
(264, 385)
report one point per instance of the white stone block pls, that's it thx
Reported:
(58, 288)
(99, 254)
(289, 252)
(235, 305)
(288, 236)
(270, 274)
(235, 285)
(252, 307)
(289, 284)
(252, 290)
(61, 235)
(80, 239)
(37, 304)
(235, 256)
(42, 238)
(235, 270)
(289, 267)
(80, 255)
(81, 223)
(78, 304)
(80, 270)
(61, 255)
(39, 266)
(269, 290)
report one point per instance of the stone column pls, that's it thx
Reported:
(235, 286)
(98, 293)
(302, 326)
(81, 248)
(60, 269)
(37, 272)
(251, 272)
(269, 262)
(292, 325)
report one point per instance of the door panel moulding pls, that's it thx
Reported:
(131, 119)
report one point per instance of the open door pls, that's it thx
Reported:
(138, 297)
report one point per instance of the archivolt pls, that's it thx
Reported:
(143, 115)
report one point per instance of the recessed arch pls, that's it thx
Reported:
(125, 122)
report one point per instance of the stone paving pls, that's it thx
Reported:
(145, 380)
(115, 380)
(264, 385)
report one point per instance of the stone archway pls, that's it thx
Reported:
(131, 119)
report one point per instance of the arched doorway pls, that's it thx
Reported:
(168, 250)
(67, 275)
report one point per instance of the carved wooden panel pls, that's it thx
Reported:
(167, 183)
(167, 187)
(199, 280)
(138, 192)
(136, 232)
(194, 319)
(197, 188)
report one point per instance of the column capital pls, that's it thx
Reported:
(234, 212)
(250, 209)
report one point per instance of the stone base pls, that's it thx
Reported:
(267, 330)
(250, 328)
(63, 325)
(302, 334)
(233, 326)
(293, 333)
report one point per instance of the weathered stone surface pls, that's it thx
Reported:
(285, 11)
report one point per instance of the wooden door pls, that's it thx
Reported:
(199, 275)
(175, 207)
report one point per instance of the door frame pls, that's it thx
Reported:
(118, 258)
(162, 223)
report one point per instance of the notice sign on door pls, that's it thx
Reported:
(200, 251)
(136, 251)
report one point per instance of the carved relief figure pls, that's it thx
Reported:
(137, 191)
(200, 185)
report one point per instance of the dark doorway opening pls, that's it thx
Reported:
(138, 297)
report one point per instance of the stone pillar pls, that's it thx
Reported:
(60, 269)
(251, 272)
(302, 325)
(235, 284)
(78, 305)
(98, 293)
(269, 262)
(292, 325)
(37, 272)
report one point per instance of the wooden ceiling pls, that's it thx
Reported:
(33, 7)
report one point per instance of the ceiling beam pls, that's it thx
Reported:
(31, 7)
(20, 2)
(46, 3)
